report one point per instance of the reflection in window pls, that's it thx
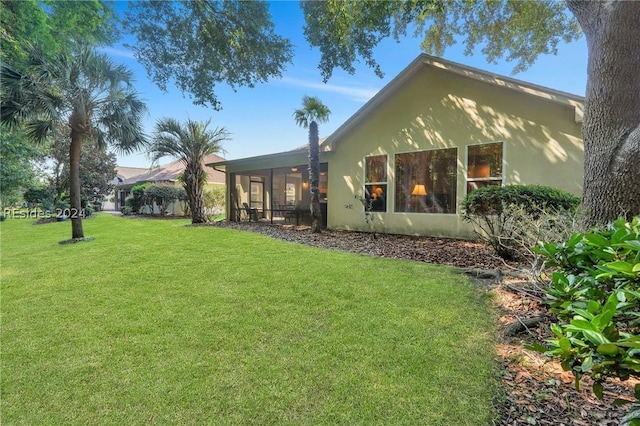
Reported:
(484, 165)
(323, 183)
(375, 187)
(426, 181)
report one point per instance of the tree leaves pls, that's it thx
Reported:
(516, 30)
(200, 44)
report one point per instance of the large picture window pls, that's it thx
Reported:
(375, 186)
(426, 181)
(484, 165)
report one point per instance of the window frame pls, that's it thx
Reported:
(468, 180)
(453, 197)
(367, 185)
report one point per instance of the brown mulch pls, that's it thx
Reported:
(536, 391)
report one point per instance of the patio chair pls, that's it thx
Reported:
(252, 214)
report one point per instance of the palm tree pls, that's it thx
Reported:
(86, 93)
(190, 144)
(313, 111)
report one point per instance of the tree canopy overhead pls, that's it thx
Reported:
(53, 27)
(200, 44)
(516, 30)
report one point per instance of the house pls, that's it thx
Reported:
(122, 173)
(413, 151)
(168, 175)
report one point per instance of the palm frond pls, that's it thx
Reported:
(39, 130)
(312, 110)
(189, 143)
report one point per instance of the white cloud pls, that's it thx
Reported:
(354, 93)
(118, 52)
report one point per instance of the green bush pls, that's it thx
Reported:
(507, 217)
(214, 200)
(490, 200)
(137, 198)
(163, 195)
(37, 196)
(596, 297)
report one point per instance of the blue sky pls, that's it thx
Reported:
(260, 120)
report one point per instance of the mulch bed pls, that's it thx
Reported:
(535, 389)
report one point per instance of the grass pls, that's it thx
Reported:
(155, 322)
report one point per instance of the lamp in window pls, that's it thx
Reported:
(479, 171)
(419, 190)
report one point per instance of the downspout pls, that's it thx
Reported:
(227, 193)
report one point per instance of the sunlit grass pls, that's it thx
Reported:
(155, 322)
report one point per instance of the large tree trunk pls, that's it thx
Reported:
(611, 128)
(193, 186)
(314, 171)
(74, 184)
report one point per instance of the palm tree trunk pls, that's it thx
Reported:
(193, 186)
(74, 185)
(314, 168)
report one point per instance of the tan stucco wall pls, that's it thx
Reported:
(438, 109)
(177, 208)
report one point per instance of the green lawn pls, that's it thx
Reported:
(154, 322)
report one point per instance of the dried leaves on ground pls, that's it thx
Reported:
(536, 391)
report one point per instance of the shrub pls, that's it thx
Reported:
(214, 200)
(163, 195)
(126, 210)
(508, 217)
(137, 198)
(596, 298)
(36, 196)
(490, 200)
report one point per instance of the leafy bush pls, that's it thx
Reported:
(163, 195)
(37, 196)
(507, 217)
(126, 210)
(137, 198)
(214, 200)
(490, 200)
(596, 298)
(61, 205)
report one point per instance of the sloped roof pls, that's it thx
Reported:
(171, 171)
(294, 152)
(123, 173)
(575, 101)
(424, 60)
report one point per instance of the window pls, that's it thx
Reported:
(375, 186)
(484, 165)
(426, 181)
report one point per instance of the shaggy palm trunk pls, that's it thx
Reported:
(314, 167)
(74, 185)
(194, 177)
(611, 128)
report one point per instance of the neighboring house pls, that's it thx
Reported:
(168, 175)
(122, 173)
(434, 133)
